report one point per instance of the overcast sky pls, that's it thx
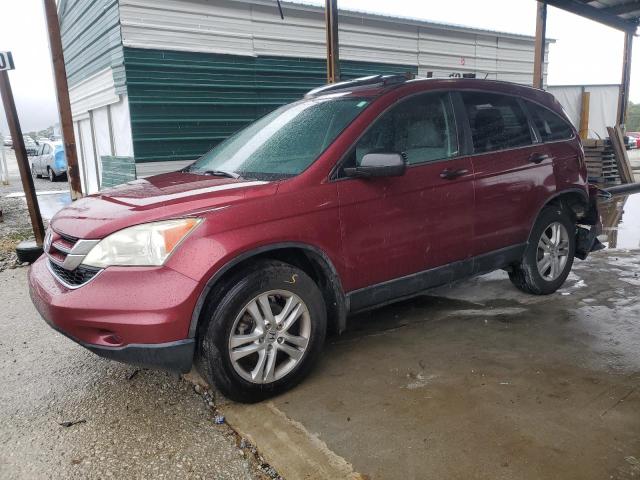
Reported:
(584, 53)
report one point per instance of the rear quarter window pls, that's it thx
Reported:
(550, 125)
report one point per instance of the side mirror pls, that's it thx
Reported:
(379, 165)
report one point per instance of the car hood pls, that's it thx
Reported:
(154, 198)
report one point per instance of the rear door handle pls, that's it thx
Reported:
(449, 174)
(538, 157)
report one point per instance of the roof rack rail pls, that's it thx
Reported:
(361, 81)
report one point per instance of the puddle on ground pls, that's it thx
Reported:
(621, 221)
(51, 204)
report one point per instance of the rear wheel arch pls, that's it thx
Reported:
(575, 200)
(313, 261)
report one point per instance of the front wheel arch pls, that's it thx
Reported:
(313, 261)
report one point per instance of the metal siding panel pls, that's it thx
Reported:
(91, 38)
(183, 103)
(254, 28)
(93, 92)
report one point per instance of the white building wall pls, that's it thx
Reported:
(603, 105)
(254, 28)
(102, 125)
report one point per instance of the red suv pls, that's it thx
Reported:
(360, 194)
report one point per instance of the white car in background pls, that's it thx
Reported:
(8, 141)
(49, 161)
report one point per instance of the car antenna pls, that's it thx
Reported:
(280, 9)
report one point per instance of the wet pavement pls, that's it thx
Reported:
(52, 196)
(621, 221)
(480, 381)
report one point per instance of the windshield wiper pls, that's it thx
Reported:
(221, 173)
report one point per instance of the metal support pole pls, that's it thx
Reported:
(21, 157)
(333, 48)
(540, 46)
(64, 104)
(3, 166)
(623, 98)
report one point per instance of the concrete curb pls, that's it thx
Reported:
(293, 451)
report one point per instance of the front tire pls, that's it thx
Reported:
(264, 330)
(52, 175)
(549, 254)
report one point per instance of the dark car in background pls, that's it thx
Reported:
(30, 145)
(358, 195)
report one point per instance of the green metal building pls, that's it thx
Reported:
(153, 84)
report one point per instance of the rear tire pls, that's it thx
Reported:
(548, 257)
(254, 312)
(52, 175)
(33, 172)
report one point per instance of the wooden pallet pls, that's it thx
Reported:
(600, 158)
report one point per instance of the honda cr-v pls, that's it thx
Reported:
(359, 194)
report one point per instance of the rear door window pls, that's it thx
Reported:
(497, 121)
(549, 124)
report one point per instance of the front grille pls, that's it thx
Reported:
(76, 277)
(68, 238)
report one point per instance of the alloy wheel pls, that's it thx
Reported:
(270, 336)
(553, 251)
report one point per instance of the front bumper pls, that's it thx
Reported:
(133, 315)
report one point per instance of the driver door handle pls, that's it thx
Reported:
(538, 157)
(449, 174)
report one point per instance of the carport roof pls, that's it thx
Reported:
(620, 14)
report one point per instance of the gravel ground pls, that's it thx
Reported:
(15, 224)
(131, 423)
(14, 227)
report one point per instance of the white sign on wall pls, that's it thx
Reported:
(6, 61)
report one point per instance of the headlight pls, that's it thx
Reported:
(149, 244)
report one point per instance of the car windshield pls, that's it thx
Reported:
(283, 143)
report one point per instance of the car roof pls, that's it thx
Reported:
(375, 86)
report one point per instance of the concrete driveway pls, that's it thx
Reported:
(480, 381)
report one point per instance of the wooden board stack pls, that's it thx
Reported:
(601, 162)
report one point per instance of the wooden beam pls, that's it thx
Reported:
(333, 46)
(21, 156)
(617, 142)
(623, 98)
(64, 104)
(540, 45)
(584, 115)
(596, 14)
